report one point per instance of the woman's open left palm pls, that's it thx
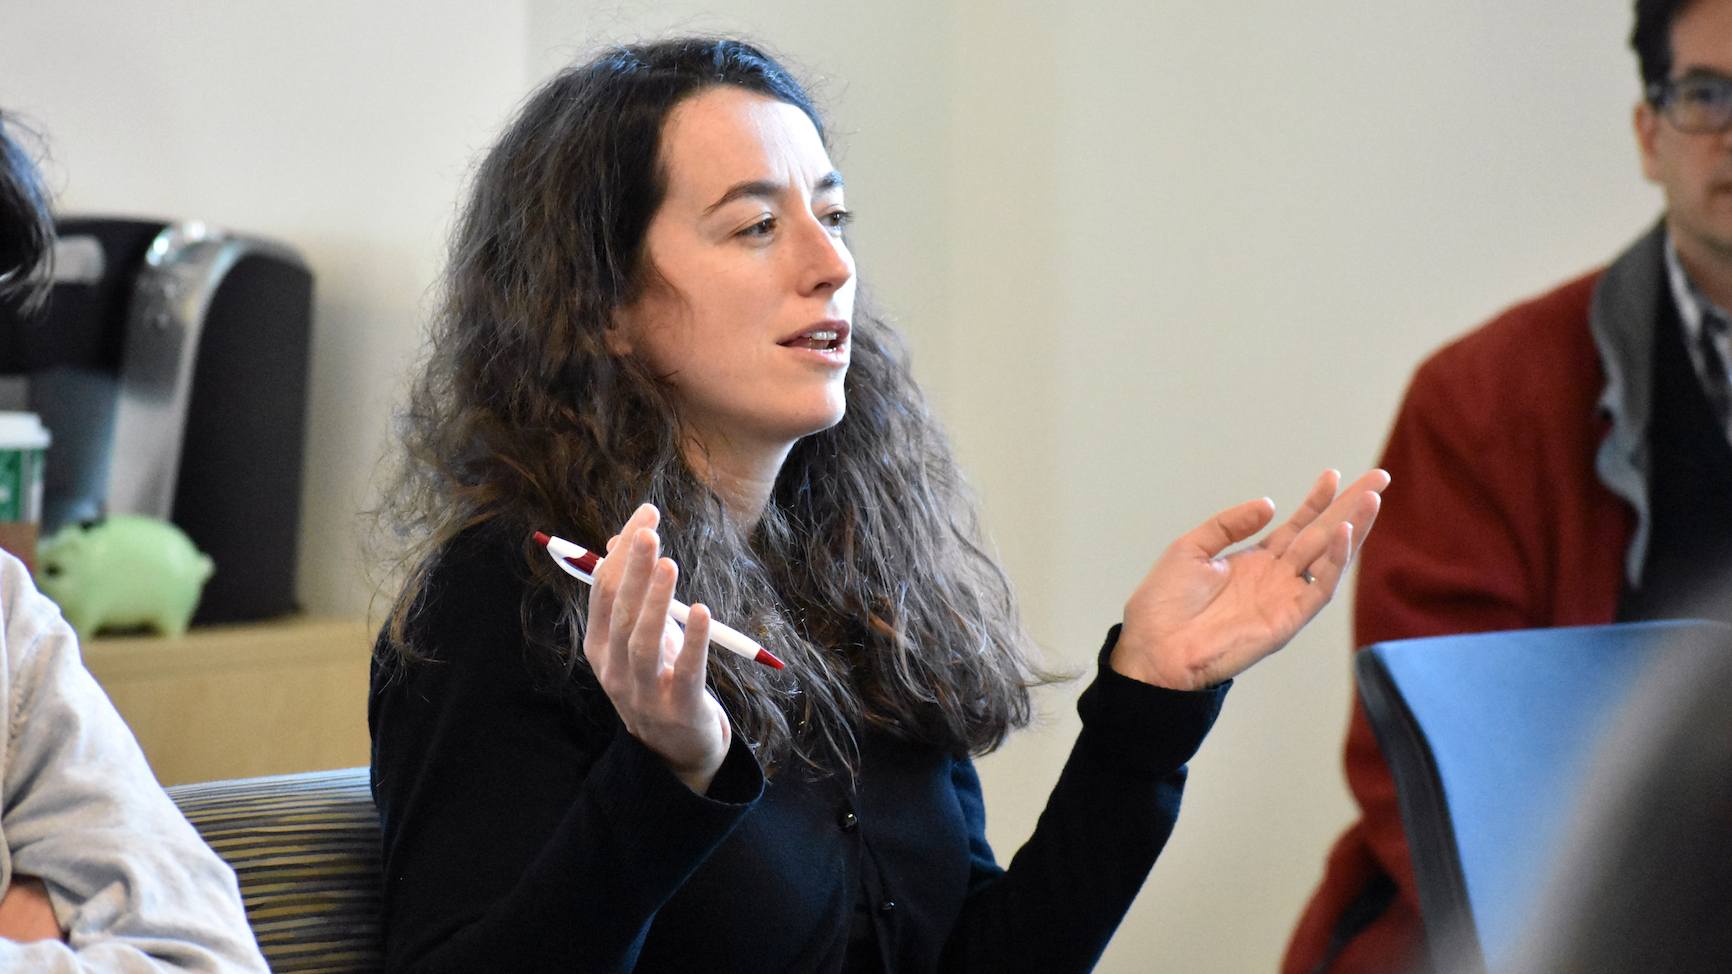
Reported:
(1200, 618)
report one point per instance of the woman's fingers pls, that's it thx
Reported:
(1356, 506)
(646, 516)
(1324, 573)
(694, 656)
(1229, 527)
(1316, 502)
(1198, 619)
(654, 675)
(632, 584)
(603, 640)
(1369, 503)
(644, 648)
(598, 635)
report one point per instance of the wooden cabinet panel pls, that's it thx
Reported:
(236, 701)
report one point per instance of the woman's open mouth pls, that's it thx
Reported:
(822, 336)
(823, 339)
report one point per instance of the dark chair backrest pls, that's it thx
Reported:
(305, 848)
(1491, 738)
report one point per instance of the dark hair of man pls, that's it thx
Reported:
(1652, 38)
(26, 228)
(865, 573)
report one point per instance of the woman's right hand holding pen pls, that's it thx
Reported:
(654, 674)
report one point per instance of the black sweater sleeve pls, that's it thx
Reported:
(524, 830)
(1112, 811)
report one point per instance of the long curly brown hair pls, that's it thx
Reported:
(865, 573)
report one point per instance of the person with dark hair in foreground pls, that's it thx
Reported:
(101, 872)
(26, 228)
(650, 334)
(1645, 879)
(1568, 463)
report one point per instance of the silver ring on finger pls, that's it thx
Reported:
(1307, 576)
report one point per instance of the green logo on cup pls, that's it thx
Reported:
(22, 442)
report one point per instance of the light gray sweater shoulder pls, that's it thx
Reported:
(132, 884)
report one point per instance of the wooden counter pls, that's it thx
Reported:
(236, 701)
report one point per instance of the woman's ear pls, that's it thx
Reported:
(617, 335)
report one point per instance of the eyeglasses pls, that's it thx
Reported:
(1697, 103)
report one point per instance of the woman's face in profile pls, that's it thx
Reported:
(750, 321)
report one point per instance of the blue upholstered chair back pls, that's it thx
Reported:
(1491, 738)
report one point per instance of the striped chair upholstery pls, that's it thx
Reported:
(306, 850)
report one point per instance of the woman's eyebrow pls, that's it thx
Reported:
(766, 189)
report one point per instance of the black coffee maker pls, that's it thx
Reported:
(170, 367)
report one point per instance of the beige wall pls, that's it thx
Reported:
(1153, 258)
(1265, 214)
(340, 127)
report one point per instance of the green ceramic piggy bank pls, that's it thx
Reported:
(123, 571)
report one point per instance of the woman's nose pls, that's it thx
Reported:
(828, 263)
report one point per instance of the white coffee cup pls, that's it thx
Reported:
(23, 440)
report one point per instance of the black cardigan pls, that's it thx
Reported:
(525, 831)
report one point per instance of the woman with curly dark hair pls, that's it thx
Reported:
(650, 335)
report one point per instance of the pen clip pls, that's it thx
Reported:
(577, 561)
(571, 569)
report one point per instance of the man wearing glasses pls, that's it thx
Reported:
(1568, 463)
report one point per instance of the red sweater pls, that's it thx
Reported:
(1493, 519)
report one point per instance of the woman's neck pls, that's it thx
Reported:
(743, 478)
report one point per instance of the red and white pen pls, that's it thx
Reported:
(580, 562)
